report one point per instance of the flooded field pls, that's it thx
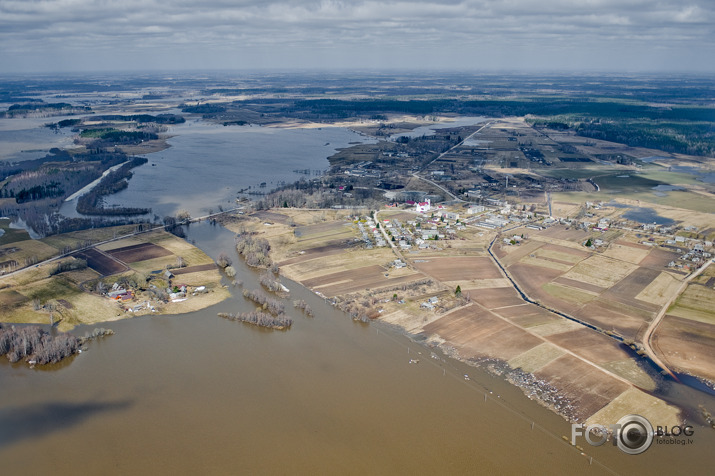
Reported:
(197, 393)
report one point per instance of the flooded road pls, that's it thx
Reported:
(199, 394)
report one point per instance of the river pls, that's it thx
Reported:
(195, 393)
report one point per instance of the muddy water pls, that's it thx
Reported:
(197, 394)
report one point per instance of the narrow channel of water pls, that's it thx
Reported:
(195, 393)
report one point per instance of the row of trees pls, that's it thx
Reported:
(258, 318)
(303, 306)
(270, 284)
(271, 305)
(72, 265)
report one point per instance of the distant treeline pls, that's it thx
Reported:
(143, 118)
(507, 107)
(38, 107)
(117, 136)
(688, 138)
(113, 182)
(679, 128)
(138, 118)
(203, 108)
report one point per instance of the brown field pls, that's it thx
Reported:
(579, 285)
(532, 278)
(629, 252)
(591, 345)
(627, 289)
(398, 215)
(563, 253)
(601, 271)
(321, 229)
(658, 259)
(528, 315)
(349, 260)
(194, 269)
(479, 284)
(546, 263)
(367, 277)
(567, 294)
(139, 252)
(572, 376)
(478, 333)
(332, 247)
(460, 268)
(613, 316)
(535, 358)
(272, 217)
(100, 262)
(509, 255)
(648, 406)
(496, 297)
(81, 275)
(687, 345)
(557, 326)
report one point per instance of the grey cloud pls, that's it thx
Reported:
(253, 28)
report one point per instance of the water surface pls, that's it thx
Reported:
(207, 164)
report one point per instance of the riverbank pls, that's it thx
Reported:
(576, 372)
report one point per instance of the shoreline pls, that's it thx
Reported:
(542, 369)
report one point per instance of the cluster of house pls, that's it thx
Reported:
(118, 293)
(416, 233)
(370, 234)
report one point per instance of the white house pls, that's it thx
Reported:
(421, 207)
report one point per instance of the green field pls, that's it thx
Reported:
(11, 235)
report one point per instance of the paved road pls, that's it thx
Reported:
(450, 194)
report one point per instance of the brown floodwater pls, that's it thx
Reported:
(197, 394)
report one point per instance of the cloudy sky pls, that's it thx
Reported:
(481, 35)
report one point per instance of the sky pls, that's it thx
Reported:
(466, 35)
